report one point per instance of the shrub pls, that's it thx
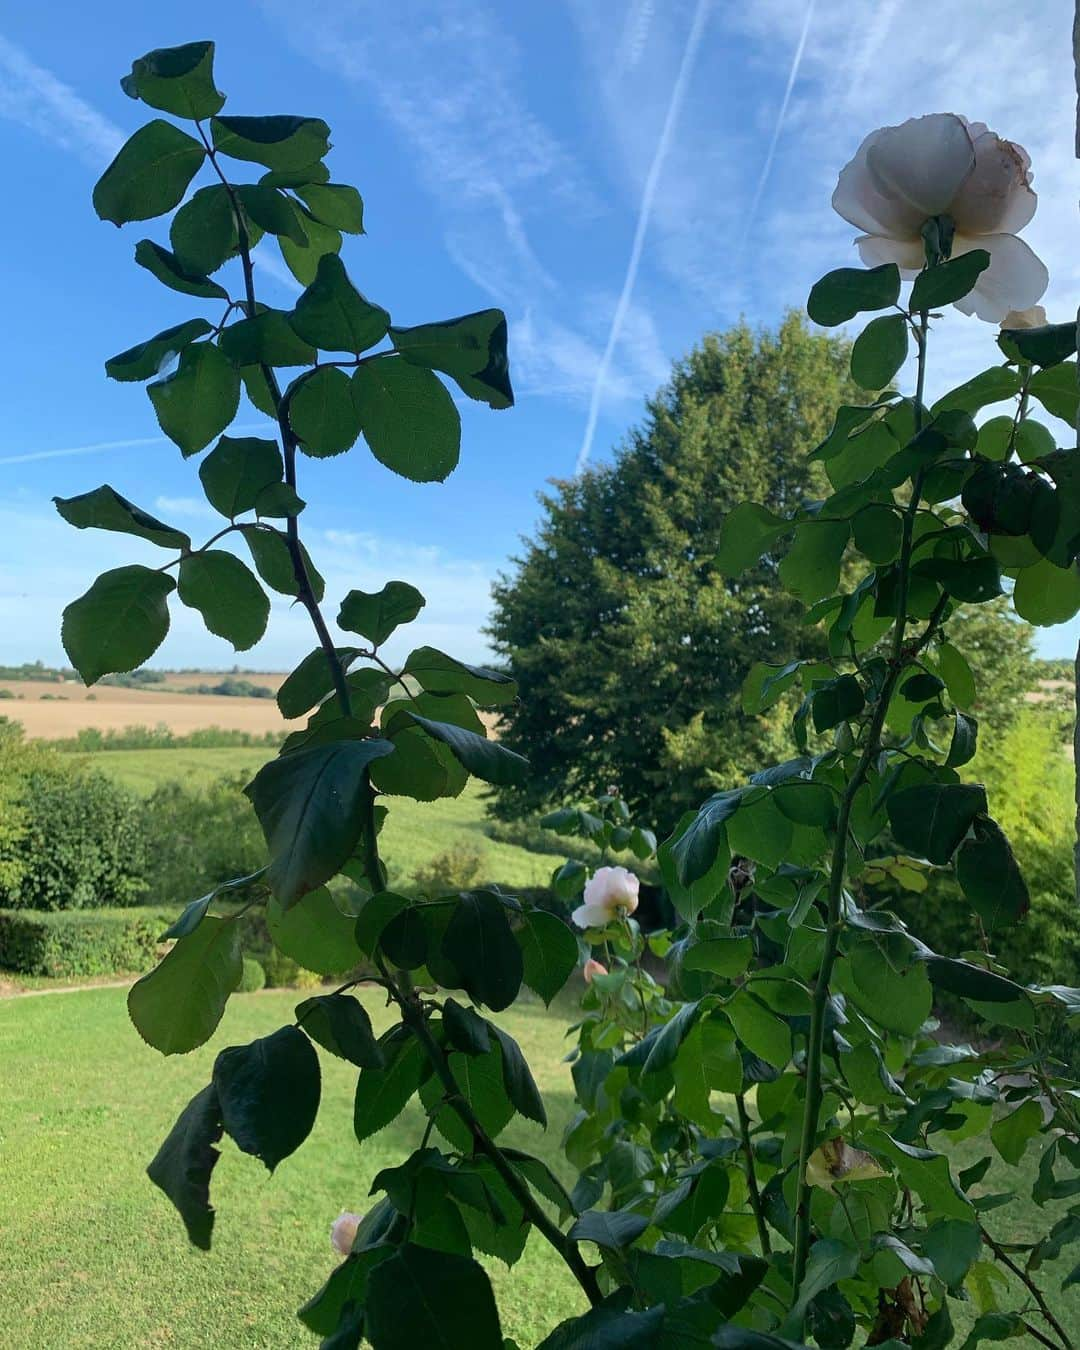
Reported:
(160, 737)
(253, 977)
(455, 869)
(197, 837)
(282, 972)
(74, 943)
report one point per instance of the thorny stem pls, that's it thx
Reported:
(1029, 1284)
(898, 659)
(751, 1176)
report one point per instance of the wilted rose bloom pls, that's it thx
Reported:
(592, 968)
(608, 892)
(343, 1232)
(1035, 317)
(943, 165)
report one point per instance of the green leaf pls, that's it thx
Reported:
(664, 1047)
(878, 532)
(309, 806)
(269, 1093)
(726, 956)
(829, 1262)
(282, 142)
(105, 509)
(695, 851)
(1045, 594)
(441, 674)
(279, 501)
(954, 1247)
(842, 294)
(615, 1328)
(480, 944)
(465, 1030)
(761, 1031)
(964, 741)
(303, 263)
(438, 1300)
(488, 760)
(747, 532)
(149, 175)
(879, 351)
(267, 339)
(957, 675)
(989, 876)
(272, 211)
(1058, 391)
(199, 399)
(932, 818)
(971, 981)
(926, 1173)
(274, 563)
(178, 80)
(811, 567)
(315, 933)
(950, 281)
(381, 1094)
(549, 952)
(146, 359)
(170, 272)
(311, 681)
(1043, 346)
(177, 1005)
(480, 1079)
(375, 615)
(517, 1078)
(237, 470)
(203, 232)
(118, 623)
(332, 314)
(183, 1165)
(225, 592)
(471, 350)
(340, 1024)
(989, 386)
(1012, 1133)
(334, 204)
(612, 1228)
(322, 412)
(837, 701)
(975, 580)
(408, 419)
(195, 911)
(897, 995)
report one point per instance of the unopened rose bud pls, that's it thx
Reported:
(343, 1232)
(1033, 317)
(592, 968)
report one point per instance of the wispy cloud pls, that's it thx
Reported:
(36, 99)
(109, 447)
(648, 198)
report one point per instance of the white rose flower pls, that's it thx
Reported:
(944, 165)
(609, 891)
(343, 1232)
(1035, 317)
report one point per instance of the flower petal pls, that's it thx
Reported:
(908, 254)
(920, 166)
(592, 916)
(1015, 279)
(996, 197)
(858, 200)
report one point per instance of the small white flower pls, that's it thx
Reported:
(944, 165)
(1035, 317)
(608, 892)
(343, 1232)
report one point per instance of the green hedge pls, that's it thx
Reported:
(72, 943)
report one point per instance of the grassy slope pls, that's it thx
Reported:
(93, 1255)
(414, 831)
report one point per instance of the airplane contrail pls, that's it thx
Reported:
(648, 196)
(766, 168)
(101, 447)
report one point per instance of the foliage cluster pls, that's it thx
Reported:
(71, 943)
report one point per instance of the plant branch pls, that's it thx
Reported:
(1029, 1284)
(751, 1176)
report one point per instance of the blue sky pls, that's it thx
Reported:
(618, 175)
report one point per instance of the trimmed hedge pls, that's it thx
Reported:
(78, 942)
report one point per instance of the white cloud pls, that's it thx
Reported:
(36, 99)
(193, 507)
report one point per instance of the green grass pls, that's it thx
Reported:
(93, 1254)
(145, 770)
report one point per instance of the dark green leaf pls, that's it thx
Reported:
(199, 399)
(950, 281)
(146, 359)
(971, 981)
(237, 469)
(964, 741)
(311, 681)
(842, 294)
(613, 1328)
(422, 1297)
(195, 911)
(879, 351)
(149, 175)
(471, 350)
(315, 933)
(272, 211)
(829, 1262)
(170, 272)
(375, 615)
(441, 674)
(225, 592)
(105, 509)
(811, 567)
(278, 501)
(303, 263)
(517, 1078)
(922, 687)
(480, 1081)
(185, 1161)
(178, 1004)
(1043, 346)
(334, 204)
(837, 701)
(340, 1024)
(322, 412)
(932, 819)
(203, 232)
(480, 944)
(989, 386)
(332, 314)
(309, 806)
(408, 419)
(274, 563)
(549, 952)
(972, 579)
(1012, 1133)
(286, 143)
(118, 623)
(989, 875)
(269, 1093)
(465, 1030)
(405, 938)
(488, 760)
(747, 532)
(1058, 391)
(612, 1228)
(695, 851)
(178, 80)
(267, 340)
(381, 1094)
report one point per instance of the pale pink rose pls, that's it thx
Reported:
(592, 968)
(343, 1232)
(944, 165)
(1035, 317)
(608, 892)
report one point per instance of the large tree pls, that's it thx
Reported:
(629, 649)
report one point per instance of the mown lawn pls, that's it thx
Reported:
(94, 1256)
